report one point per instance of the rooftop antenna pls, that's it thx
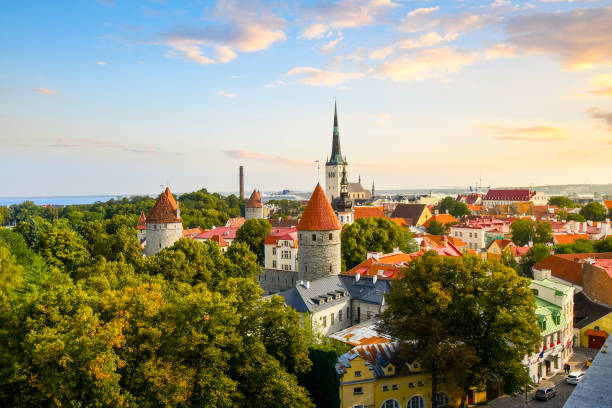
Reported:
(318, 172)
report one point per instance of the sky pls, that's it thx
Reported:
(123, 96)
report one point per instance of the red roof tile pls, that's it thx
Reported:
(442, 219)
(318, 215)
(219, 240)
(369, 212)
(568, 238)
(568, 266)
(165, 210)
(509, 195)
(142, 222)
(254, 200)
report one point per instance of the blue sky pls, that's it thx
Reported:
(122, 96)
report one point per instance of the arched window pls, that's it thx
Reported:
(442, 400)
(390, 403)
(416, 401)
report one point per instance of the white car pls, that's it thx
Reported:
(575, 377)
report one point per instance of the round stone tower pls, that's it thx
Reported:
(254, 208)
(164, 224)
(318, 239)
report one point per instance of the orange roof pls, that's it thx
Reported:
(501, 243)
(400, 221)
(192, 232)
(473, 207)
(165, 210)
(254, 200)
(608, 204)
(318, 215)
(569, 238)
(142, 222)
(458, 242)
(568, 266)
(442, 219)
(235, 222)
(389, 264)
(219, 240)
(369, 212)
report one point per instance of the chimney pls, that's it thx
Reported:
(395, 250)
(380, 272)
(374, 278)
(436, 212)
(241, 183)
(357, 277)
(446, 211)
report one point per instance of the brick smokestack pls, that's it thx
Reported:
(241, 183)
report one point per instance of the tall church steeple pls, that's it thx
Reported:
(336, 154)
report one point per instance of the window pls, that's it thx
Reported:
(314, 237)
(421, 383)
(305, 268)
(390, 403)
(330, 268)
(273, 264)
(442, 399)
(394, 387)
(359, 406)
(331, 320)
(324, 321)
(340, 315)
(273, 251)
(358, 373)
(385, 388)
(416, 402)
(357, 390)
(470, 235)
(358, 314)
(411, 385)
(330, 236)
(390, 369)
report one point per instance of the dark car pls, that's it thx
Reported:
(544, 394)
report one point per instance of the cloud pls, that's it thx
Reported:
(427, 19)
(245, 154)
(101, 63)
(499, 51)
(313, 31)
(425, 64)
(603, 83)
(424, 11)
(382, 118)
(319, 77)
(426, 40)
(500, 3)
(91, 143)
(528, 134)
(43, 91)
(599, 114)
(226, 94)
(330, 46)
(382, 53)
(581, 38)
(245, 27)
(343, 14)
(528, 6)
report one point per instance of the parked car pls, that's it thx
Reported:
(544, 394)
(575, 377)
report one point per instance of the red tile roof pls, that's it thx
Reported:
(568, 238)
(468, 198)
(254, 200)
(225, 232)
(369, 212)
(142, 222)
(605, 264)
(569, 266)
(608, 204)
(442, 219)
(219, 240)
(192, 232)
(282, 234)
(318, 215)
(235, 222)
(165, 210)
(509, 195)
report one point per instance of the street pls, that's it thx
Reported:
(563, 389)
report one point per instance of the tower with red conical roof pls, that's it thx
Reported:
(141, 228)
(164, 224)
(254, 208)
(318, 239)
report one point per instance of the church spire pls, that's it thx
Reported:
(336, 155)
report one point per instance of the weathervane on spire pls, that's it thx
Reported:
(318, 172)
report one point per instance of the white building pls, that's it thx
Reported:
(281, 250)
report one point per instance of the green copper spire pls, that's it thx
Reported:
(336, 155)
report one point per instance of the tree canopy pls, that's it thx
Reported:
(561, 202)
(373, 235)
(468, 319)
(526, 230)
(253, 233)
(455, 208)
(436, 228)
(594, 211)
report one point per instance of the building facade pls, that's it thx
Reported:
(164, 225)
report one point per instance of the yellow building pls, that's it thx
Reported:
(593, 321)
(373, 376)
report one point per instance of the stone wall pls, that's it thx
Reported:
(597, 283)
(320, 257)
(276, 280)
(160, 236)
(255, 212)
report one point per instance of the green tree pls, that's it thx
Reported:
(253, 233)
(561, 202)
(455, 208)
(604, 245)
(63, 248)
(436, 228)
(465, 318)
(322, 380)
(371, 235)
(543, 232)
(5, 214)
(575, 217)
(594, 211)
(523, 231)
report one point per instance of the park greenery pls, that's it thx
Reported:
(467, 321)
(455, 208)
(373, 235)
(561, 202)
(526, 230)
(594, 211)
